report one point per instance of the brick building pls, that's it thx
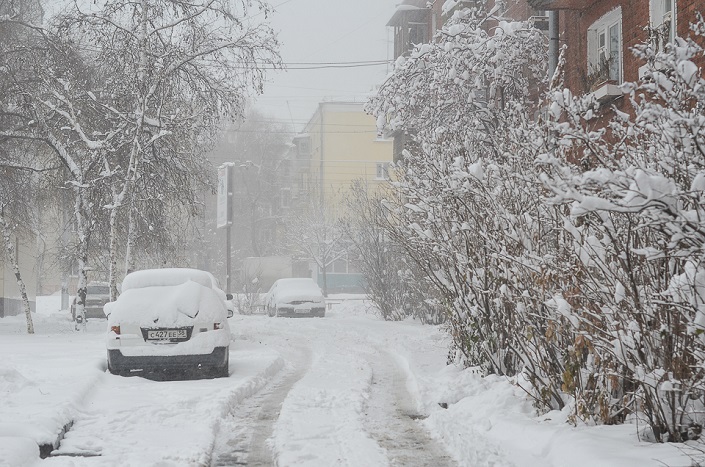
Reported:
(599, 35)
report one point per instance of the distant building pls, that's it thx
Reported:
(258, 155)
(337, 146)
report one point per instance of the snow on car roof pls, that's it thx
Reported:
(296, 289)
(165, 277)
(167, 305)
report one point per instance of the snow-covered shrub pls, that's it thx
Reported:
(468, 207)
(392, 280)
(635, 191)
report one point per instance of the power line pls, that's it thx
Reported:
(340, 63)
(307, 121)
(293, 132)
(323, 65)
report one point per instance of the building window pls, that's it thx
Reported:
(382, 171)
(663, 23)
(303, 146)
(605, 50)
(285, 198)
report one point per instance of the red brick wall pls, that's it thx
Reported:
(685, 12)
(635, 16)
(518, 10)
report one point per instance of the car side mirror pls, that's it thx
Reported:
(228, 296)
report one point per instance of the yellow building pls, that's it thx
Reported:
(339, 145)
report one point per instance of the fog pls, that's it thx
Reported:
(326, 32)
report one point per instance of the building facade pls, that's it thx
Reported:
(339, 145)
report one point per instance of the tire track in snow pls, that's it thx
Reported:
(118, 408)
(391, 418)
(243, 436)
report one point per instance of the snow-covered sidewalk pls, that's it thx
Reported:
(333, 412)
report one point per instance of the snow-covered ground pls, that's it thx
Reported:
(348, 389)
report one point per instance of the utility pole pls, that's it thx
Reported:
(224, 213)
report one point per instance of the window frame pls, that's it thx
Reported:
(303, 147)
(602, 28)
(382, 171)
(658, 16)
(285, 197)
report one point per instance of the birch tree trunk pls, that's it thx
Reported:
(83, 226)
(12, 257)
(129, 260)
(113, 254)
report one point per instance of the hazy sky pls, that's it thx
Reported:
(331, 31)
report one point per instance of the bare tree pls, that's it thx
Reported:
(314, 233)
(392, 280)
(17, 216)
(173, 69)
(258, 148)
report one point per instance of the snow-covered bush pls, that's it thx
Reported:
(469, 208)
(393, 281)
(593, 291)
(635, 193)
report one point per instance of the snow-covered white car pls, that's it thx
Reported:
(295, 297)
(169, 319)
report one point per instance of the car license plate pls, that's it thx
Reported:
(302, 310)
(163, 334)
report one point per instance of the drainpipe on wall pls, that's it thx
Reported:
(553, 48)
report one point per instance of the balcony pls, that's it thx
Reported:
(607, 92)
(603, 80)
(411, 23)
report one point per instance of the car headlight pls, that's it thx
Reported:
(217, 326)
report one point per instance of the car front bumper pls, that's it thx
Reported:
(298, 312)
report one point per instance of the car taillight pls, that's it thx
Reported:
(115, 329)
(217, 326)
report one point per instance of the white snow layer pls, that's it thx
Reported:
(58, 376)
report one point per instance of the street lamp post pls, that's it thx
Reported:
(224, 213)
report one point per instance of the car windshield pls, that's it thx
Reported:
(298, 284)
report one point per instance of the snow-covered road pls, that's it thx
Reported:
(345, 399)
(315, 392)
(345, 390)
